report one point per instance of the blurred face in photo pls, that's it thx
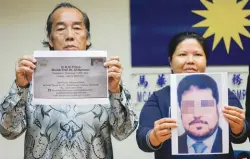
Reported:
(199, 112)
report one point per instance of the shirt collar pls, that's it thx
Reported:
(208, 141)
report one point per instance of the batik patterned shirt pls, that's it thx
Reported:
(66, 131)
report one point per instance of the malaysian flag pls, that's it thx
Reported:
(224, 23)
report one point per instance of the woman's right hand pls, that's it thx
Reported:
(24, 70)
(161, 131)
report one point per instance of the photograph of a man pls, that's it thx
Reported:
(198, 99)
(98, 61)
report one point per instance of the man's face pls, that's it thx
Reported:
(199, 112)
(68, 30)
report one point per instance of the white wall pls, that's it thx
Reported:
(22, 28)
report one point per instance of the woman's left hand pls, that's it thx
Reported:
(235, 117)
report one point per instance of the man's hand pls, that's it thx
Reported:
(25, 67)
(114, 73)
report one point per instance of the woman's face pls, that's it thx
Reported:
(189, 57)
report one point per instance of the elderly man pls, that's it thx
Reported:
(66, 131)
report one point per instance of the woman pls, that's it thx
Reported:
(187, 54)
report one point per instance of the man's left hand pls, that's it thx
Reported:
(235, 117)
(114, 73)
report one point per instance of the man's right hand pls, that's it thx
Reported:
(161, 131)
(24, 70)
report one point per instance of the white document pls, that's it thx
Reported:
(70, 77)
(197, 101)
